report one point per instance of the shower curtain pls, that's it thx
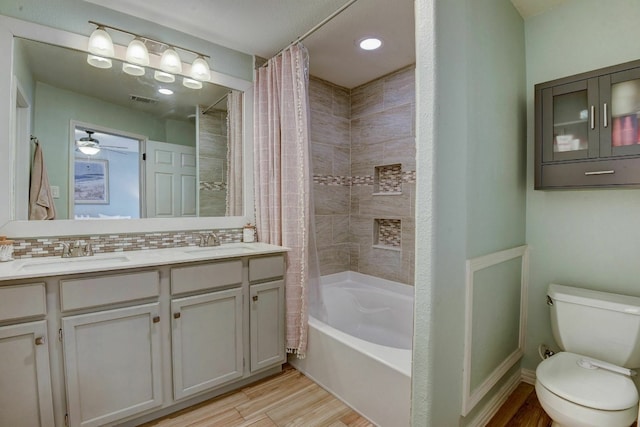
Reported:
(283, 180)
(234, 153)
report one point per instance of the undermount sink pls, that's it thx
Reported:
(49, 264)
(230, 248)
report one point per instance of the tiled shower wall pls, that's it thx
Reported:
(212, 153)
(352, 133)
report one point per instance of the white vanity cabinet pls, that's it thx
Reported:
(267, 311)
(206, 331)
(112, 357)
(26, 398)
(127, 345)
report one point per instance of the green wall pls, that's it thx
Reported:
(477, 148)
(587, 238)
(54, 109)
(73, 16)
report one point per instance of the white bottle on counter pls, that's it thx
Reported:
(249, 233)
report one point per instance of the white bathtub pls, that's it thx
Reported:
(362, 353)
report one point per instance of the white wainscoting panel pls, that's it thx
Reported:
(475, 389)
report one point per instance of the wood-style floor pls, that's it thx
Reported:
(287, 399)
(521, 409)
(291, 399)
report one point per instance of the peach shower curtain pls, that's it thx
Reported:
(283, 177)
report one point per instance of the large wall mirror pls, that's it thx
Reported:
(180, 156)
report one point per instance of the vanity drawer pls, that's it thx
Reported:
(205, 276)
(104, 290)
(22, 301)
(267, 267)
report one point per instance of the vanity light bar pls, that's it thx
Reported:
(137, 57)
(97, 24)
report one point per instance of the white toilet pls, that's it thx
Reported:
(588, 384)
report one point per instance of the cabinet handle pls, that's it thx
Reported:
(255, 298)
(176, 315)
(609, 172)
(156, 319)
(593, 117)
(605, 114)
(40, 341)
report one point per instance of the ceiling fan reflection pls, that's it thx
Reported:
(91, 146)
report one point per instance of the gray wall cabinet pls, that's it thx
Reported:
(587, 129)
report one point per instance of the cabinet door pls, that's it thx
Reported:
(570, 127)
(25, 400)
(620, 106)
(206, 341)
(112, 363)
(267, 325)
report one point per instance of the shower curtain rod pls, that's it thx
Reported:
(215, 103)
(314, 29)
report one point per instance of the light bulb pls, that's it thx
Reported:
(170, 62)
(370, 43)
(137, 53)
(200, 70)
(191, 84)
(89, 150)
(100, 43)
(98, 61)
(163, 77)
(133, 70)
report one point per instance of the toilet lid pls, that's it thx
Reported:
(593, 388)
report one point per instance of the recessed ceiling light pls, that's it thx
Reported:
(370, 43)
(165, 91)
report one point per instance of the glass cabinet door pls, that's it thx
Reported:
(570, 128)
(620, 103)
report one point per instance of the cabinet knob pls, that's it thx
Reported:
(156, 319)
(255, 298)
(176, 315)
(40, 341)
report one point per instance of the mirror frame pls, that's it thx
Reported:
(10, 28)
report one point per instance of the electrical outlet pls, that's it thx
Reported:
(55, 191)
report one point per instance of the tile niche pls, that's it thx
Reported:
(387, 180)
(387, 234)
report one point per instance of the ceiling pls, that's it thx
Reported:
(264, 27)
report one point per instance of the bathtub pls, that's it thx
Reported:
(362, 352)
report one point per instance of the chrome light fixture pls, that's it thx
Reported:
(101, 47)
(170, 61)
(200, 70)
(100, 43)
(137, 57)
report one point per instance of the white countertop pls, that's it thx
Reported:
(112, 261)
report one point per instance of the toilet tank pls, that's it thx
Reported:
(601, 325)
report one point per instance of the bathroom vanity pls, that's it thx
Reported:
(122, 338)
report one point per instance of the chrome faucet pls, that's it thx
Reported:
(210, 239)
(76, 249)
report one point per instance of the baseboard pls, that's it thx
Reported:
(528, 376)
(493, 406)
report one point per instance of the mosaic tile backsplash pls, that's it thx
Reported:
(52, 246)
(388, 232)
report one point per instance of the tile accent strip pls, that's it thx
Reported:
(348, 181)
(105, 243)
(213, 186)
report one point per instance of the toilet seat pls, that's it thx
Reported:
(597, 388)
